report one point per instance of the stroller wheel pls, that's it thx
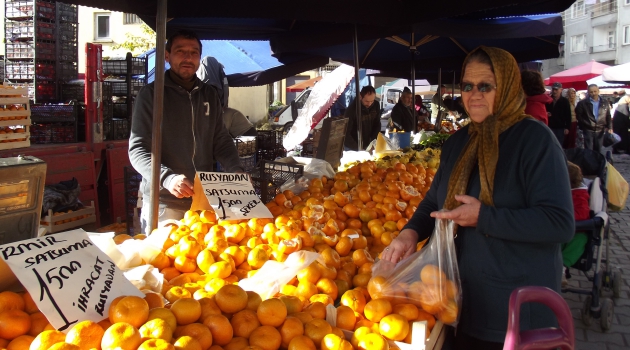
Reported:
(607, 314)
(587, 318)
(616, 284)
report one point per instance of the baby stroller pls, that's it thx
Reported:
(606, 283)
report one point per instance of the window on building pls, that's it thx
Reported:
(626, 34)
(578, 43)
(130, 18)
(610, 40)
(102, 26)
(578, 9)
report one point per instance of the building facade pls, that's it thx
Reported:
(593, 30)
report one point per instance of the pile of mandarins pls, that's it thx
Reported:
(348, 219)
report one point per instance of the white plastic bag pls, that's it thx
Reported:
(273, 275)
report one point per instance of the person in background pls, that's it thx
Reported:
(573, 250)
(494, 182)
(436, 102)
(237, 124)
(559, 113)
(421, 110)
(621, 123)
(593, 116)
(571, 140)
(370, 120)
(403, 113)
(194, 132)
(616, 97)
(537, 99)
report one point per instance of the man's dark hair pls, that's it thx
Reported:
(367, 90)
(592, 85)
(184, 33)
(532, 83)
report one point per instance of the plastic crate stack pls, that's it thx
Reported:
(67, 40)
(132, 187)
(54, 123)
(31, 47)
(246, 147)
(269, 144)
(125, 77)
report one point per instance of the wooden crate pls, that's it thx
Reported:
(11, 96)
(51, 222)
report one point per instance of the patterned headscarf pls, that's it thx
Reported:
(483, 146)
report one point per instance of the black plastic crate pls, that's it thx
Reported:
(68, 51)
(67, 13)
(269, 139)
(67, 71)
(271, 154)
(47, 113)
(73, 92)
(248, 163)
(245, 147)
(271, 175)
(132, 187)
(119, 88)
(119, 110)
(119, 67)
(67, 32)
(53, 133)
(108, 106)
(116, 129)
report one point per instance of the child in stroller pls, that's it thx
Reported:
(574, 249)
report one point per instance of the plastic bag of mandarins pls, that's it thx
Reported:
(428, 278)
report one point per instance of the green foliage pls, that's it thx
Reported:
(137, 44)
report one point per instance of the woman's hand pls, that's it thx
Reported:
(465, 215)
(401, 247)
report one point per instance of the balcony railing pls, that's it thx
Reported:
(603, 48)
(604, 8)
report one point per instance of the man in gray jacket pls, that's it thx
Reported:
(193, 133)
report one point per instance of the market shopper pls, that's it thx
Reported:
(559, 113)
(537, 99)
(512, 217)
(370, 120)
(570, 141)
(403, 112)
(193, 131)
(437, 105)
(593, 116)
(621, 123)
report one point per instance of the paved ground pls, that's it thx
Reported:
(618, 337)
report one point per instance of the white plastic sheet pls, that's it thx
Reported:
(324, 94)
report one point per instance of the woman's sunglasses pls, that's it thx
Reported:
(481, 87)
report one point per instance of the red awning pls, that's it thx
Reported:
(577, 76)
(301, 86)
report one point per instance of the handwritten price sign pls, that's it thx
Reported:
(232, 196)
(69, 278)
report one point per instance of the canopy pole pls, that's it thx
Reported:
(412, 49)
(438, 120)
(158, 103)
(355, 42)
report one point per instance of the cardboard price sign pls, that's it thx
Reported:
(68, 277)
(231, 195)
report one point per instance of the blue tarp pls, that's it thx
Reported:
(246, 63)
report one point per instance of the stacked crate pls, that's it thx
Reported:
(15, 118)
(67, 39)
(124, 78)
(40, 46)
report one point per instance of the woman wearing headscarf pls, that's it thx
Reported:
(570, 140)
(502, 179)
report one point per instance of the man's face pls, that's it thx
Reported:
(367, 100)
(184, 57)
(442, 90)
(406, 99)
(593, 92)
(557, 92)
